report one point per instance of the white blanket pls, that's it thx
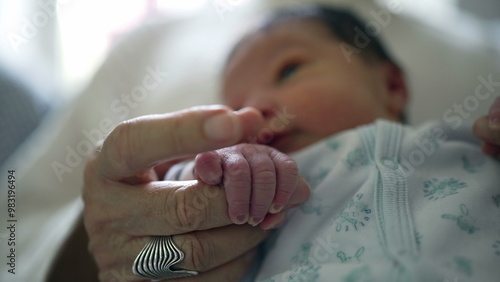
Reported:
(392, 203)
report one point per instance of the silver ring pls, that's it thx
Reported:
(156, 259)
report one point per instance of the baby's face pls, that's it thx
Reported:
(297, 75)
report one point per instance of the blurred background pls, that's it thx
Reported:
(50, 49)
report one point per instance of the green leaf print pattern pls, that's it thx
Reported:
(356, 158)
(435, 189)
(472, 165)
(333, 144)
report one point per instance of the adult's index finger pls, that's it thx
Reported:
(139, 144)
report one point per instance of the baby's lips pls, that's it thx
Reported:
(494, 115)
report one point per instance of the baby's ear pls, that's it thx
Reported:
(395, 86)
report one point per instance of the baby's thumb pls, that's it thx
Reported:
(208, 168)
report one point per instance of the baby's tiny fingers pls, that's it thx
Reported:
(263, 181)
(208, 168)
(237, 183)
(287, 178)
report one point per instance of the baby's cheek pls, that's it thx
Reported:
(318, 119)
(327, 119)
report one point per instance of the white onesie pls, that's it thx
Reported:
(392, 203)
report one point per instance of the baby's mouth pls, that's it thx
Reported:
(275, 137)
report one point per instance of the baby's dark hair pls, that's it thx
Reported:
(342, 23)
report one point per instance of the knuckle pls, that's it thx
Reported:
(288, 174)
(260, 208)
(206, 158)
(198, 251)
(289, 167)
(235, 166)
(287, 191)
(185, 211)
(236, 172)
(240, 204)
(265, 179)
(247, 149)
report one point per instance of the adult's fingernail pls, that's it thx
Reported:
(222, 127)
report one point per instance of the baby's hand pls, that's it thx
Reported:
(487, 128)
(258, 179)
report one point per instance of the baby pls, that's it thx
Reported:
(302, 70)
(296, 71)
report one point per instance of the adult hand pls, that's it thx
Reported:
(487, 128)
(125, 203)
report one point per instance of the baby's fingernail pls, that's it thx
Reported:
(222, 127)
(254, 221)
(242, 218)
(276, 208)
(494, 123)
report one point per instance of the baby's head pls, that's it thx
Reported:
(303, 71)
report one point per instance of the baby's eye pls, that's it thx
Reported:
(287, 71)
